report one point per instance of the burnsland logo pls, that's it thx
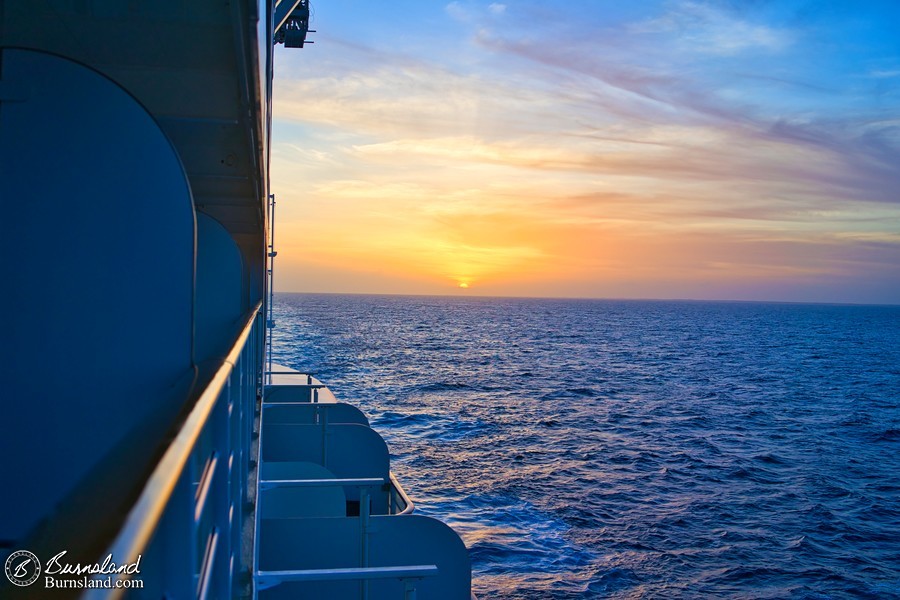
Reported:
(22, 568)
(56, 566)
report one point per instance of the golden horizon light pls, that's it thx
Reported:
(657, 151)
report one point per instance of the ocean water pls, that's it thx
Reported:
(631, 449)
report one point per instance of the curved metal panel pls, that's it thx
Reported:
(98, 256)
(220, 290)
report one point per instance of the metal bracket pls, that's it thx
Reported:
(292, 23)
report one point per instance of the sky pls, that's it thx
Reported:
(696, 149)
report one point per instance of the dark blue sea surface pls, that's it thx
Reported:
(631, 449)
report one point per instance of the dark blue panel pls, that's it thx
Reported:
(97, 272)
(219, 309)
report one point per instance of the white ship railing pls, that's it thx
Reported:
(310, 541)
(399, 502)
(361, 573)
(408, 575)
(187, 525)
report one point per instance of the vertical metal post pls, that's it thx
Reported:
(364, 538)
(325, 434)
(270, 317)
(409, 590)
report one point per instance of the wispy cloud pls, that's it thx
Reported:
(885, 74)
(707, 28)
(458, 11)
(598, 143)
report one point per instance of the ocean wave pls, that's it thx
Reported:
(716, 450)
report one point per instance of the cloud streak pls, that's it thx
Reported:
(697, 122)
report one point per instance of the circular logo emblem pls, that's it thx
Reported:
(22, 568)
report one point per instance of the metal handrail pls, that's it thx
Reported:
(289, 373)
(362, 573)
(142, 521)
(410, 506)
(268, 484)
(308, 386)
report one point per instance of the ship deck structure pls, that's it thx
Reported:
(142, 421)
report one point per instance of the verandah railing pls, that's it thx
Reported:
(191, 526)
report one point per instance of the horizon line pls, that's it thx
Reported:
(597, 298)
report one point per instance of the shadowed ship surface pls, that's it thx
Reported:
(145, 437)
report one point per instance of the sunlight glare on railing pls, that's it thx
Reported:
(187, 525)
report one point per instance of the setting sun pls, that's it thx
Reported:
(416, 171)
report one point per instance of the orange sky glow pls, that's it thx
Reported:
(616, 165)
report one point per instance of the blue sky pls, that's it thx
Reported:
(682, 149)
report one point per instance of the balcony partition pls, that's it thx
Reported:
(192, 526)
